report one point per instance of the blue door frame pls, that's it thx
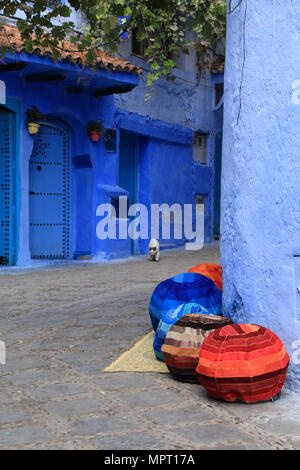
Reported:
(8, 170)
(128, 172)
(49, 192)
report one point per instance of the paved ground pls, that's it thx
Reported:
(63, 325)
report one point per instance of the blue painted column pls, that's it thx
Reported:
(261, 170)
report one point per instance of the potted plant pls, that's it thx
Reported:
(34, 117)
(94, 130)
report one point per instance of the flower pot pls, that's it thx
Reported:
(94, 136)
(33, 127)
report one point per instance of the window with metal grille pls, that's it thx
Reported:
(110, 140)
(138, 47)
(219, 91)
(199, 148)
(51, 3)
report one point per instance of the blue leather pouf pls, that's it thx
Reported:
(169, 319)
(183, 289)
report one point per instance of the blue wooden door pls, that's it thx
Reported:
(128, 171)
(217, 185)
(7, 186)
(49, 192)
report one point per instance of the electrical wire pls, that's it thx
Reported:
(231, 10)
(244, 60)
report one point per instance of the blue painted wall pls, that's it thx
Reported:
(261, 168)
(76, 110)
(98, 181)
(163, 129)
(189, 103)
(164, 173)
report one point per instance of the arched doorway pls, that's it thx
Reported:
(49, 191)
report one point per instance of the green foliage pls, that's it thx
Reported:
(161, 24)
(96, 126)
(33, 114)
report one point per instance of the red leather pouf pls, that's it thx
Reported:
(242, 362)
(210, 270)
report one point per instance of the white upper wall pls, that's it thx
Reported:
(186, 100)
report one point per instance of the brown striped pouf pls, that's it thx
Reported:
(183, 341)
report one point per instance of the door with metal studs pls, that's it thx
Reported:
(7, 187)
(49, 192)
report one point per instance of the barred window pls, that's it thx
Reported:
(199, 148)
(52, 3)
(138, 47)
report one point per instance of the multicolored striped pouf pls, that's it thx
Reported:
(183, 341)
(242, 362)
(168, 319)
(182, 289)
(210, 270)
